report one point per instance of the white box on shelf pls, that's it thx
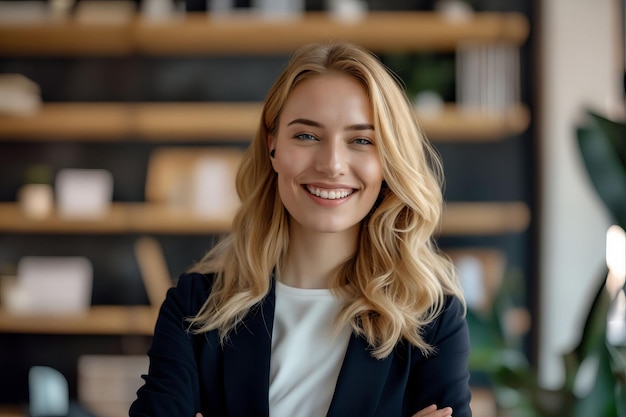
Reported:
(215, 195)
(51, 284)
(83, 193)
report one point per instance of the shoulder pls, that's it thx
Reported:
(195, 281)
(450, 322)
(190, 292)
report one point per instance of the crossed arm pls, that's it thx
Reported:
(430, 411)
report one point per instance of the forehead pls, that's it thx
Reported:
(329, 94)
(330, 81)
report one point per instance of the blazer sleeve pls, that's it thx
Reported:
(442, 378)
(172, 385)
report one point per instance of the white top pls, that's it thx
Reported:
(306, 356)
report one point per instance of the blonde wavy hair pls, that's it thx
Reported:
(396, 282)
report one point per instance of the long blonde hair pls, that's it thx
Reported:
(397, 280)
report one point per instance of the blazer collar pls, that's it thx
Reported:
(247, 369)
(361, 381)
(247, 361)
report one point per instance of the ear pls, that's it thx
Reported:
(271, 142)
(271, 145)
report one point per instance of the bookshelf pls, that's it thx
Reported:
(101, 124)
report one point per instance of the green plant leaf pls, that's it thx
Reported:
(593, 334)
(615, 131)
(600, 401)
(620, 400)
(594, 330)
(618, 365)
(600, 144)
(485, 341)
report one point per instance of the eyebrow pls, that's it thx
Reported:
(307, 122)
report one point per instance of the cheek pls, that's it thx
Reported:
(288, 170)
(289, 163)
(372, 172)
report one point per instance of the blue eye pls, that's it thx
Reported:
(305, 136)
(363, 141)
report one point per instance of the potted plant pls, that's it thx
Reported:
(596, 359)
(602, 144)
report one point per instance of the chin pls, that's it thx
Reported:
(332, 227)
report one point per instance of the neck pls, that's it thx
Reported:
(313, 258)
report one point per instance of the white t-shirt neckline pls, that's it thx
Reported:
(306, 353)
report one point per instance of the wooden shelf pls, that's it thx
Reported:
(378, 31)
(459, 219)
(142, 121)
(71, 121)
(485, 218)
(13, 411)
(182, 121)
(198, 33)
(471, 125)
(121, 218)
(99, 320)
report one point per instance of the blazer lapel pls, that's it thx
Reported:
(247, 362)
(361, 381)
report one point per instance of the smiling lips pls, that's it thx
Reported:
(334, 194)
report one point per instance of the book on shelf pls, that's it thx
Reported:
(487, 77)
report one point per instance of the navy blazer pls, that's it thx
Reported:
(194, 373)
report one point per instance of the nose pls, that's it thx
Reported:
(332, 159)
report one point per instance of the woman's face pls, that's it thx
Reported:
(329, 171)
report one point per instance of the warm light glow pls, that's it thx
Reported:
(616, 262)
(615, 259)
(616, 321)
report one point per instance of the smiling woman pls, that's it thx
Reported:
(329, 297)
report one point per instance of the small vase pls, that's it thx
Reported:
(36, 200)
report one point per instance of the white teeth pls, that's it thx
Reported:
(329, 195)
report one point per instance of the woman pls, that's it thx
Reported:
(329, 297)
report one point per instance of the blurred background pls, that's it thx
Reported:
(122, 124)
